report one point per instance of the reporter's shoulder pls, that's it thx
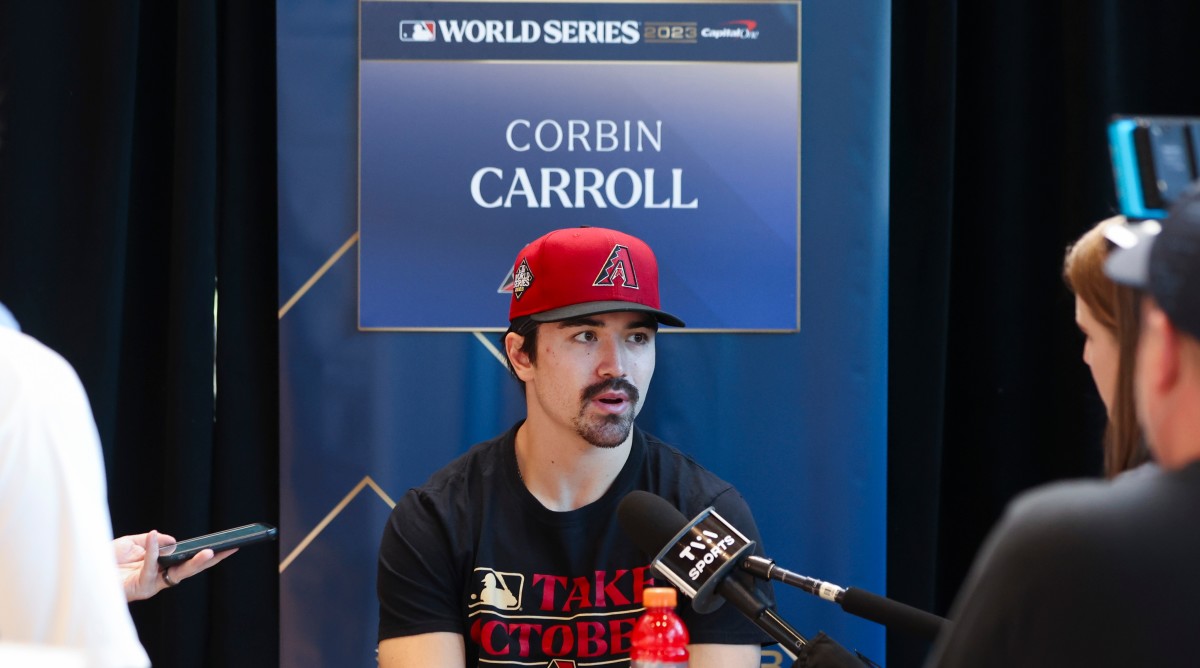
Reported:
(1078, 515)
(1073, 500)
(31, 370)
(21, 352)
(1063, 502)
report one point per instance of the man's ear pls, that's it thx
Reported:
(521, 365)
(1166, 372)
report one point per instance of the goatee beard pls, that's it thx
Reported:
(607, 431)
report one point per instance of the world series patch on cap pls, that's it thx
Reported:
(582, 271)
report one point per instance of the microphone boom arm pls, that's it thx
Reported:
(763, 616)
(858, 602)
(764, 568)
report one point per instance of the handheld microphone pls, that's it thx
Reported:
(698, 557)
(858, 602)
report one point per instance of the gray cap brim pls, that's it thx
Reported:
(1129, 263)
(596, 308)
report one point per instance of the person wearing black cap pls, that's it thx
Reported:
(1105, 573)
(511, 555)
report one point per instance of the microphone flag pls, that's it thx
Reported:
(700, 556)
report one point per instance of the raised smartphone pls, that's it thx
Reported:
(1154, 158)
(219, 541)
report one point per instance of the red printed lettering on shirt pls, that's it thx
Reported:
(591, 640)
(549, 585)
(619, 632)
(564, 646)
(580, 596)
(579, 639)
(611, 589)
(523, 633)
(488, 634)
(607, 591)
(640, 582)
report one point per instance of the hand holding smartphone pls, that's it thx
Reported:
(217, 542)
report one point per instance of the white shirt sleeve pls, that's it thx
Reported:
(59, 583)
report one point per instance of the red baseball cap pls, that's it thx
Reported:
(584, 271)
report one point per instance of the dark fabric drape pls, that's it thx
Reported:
(137, 182)
(999, 160)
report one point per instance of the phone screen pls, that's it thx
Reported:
(221, 540)
(1171, 156)
(1154, 159)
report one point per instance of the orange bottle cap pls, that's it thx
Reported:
(658, 597)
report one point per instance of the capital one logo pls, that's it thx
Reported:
(418, 31)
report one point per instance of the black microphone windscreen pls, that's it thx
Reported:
(892, 614)
(649, 520)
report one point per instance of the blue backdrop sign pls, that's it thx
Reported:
(796, 420)
(678, 123)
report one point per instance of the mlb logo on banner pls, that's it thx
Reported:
(418, 31)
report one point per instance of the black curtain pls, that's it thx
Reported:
(999, 160)
(137, 238)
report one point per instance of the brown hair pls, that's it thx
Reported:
(1115, 308)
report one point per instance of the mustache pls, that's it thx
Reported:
(611, 385)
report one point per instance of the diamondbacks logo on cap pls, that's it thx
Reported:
(618, 267)
(522, 279)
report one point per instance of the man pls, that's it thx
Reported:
(511, 555)
(1105, 574)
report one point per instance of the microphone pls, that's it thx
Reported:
(858, 602)
(698, 557)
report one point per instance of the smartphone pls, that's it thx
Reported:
(1154, 158)
(219, 541)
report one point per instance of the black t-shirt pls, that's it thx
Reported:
(473, 552)
(1086, 573)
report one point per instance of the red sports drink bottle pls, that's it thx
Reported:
(659, 638)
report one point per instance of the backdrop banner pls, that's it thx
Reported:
(421, 145)
(485, 125)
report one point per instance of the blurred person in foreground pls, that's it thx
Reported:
(64, 581)
(1090, 573)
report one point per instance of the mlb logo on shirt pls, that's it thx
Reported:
(418, 31)
(497, 590)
